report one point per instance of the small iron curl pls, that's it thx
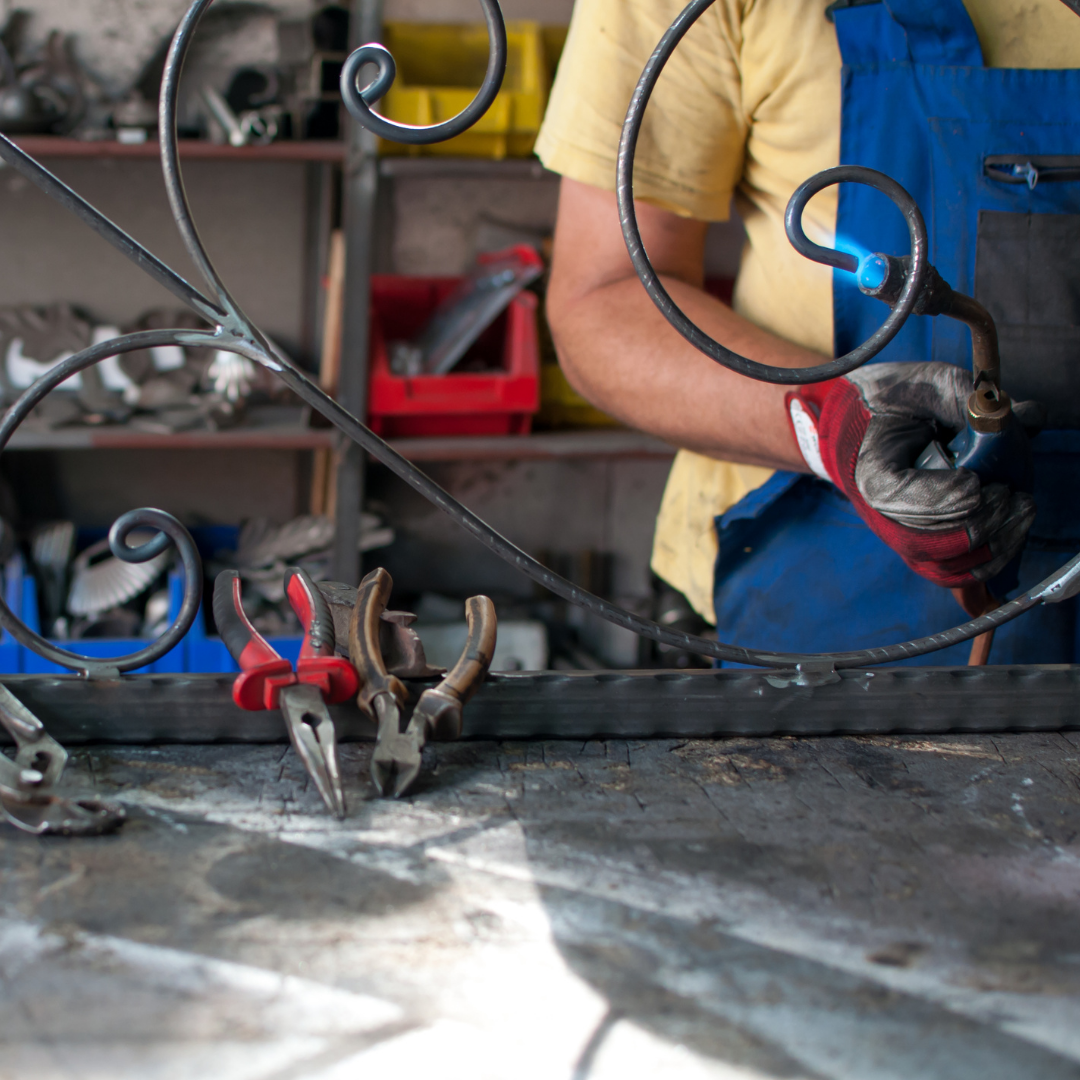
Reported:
(169, 530)
(359, 99)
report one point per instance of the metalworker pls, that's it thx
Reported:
(972, 108)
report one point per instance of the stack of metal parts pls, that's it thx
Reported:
(42, 91)
(51, 549)
(165, 389)
(311, 53)
(459, 320)
(265, 550)
(94, 594)
(253, 76)
(233, 74)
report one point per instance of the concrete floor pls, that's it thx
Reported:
(855, 908)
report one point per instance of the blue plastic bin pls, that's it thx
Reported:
(24, 594)
(10, 649)
(197, 652)
(206, 653)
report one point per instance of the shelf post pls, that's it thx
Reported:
(318, 211)
(359, 195)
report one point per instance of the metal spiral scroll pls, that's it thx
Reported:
(234, 332)
(624, 190)
(357, 99)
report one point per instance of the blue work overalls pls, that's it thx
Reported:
(992, 156)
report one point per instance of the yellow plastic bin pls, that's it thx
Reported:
(440, 68)
(561, 406)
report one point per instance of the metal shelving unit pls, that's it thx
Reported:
(542, 446)
(285, 437)
(359, 193)
(406, 168)
(265, 428)
(365, 177)
(277, 433)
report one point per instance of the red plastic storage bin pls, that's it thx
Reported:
(460, 403)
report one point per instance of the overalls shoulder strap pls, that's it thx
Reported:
(934, 32)
(939, 32)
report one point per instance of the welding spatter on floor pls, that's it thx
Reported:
(396, 761)
(27, 782)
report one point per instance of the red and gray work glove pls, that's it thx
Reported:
(864, 432)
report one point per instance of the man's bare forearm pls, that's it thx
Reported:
(618, 351)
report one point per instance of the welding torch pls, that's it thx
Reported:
(993, 444)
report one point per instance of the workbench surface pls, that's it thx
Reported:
(856, 908)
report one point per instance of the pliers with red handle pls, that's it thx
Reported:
(268, 681)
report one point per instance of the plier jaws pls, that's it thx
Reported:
(398, 754)
(311, 731)
(27, 796)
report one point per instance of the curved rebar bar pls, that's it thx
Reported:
(235, 333)
(358, 99)
(843, 260)
(494, 541)
(233, 319)
(703, 342)
(169, 530)
(71, 200)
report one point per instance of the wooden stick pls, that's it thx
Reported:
(320, 469)
(324, 467)
(333, 314)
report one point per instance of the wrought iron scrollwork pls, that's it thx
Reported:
(233, 331)
(359, 99)
(169, 530)
(624, 188)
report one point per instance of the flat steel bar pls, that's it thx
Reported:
(592, 705)
(149, 263)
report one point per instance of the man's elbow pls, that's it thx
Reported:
(559, 301)
(567, 316)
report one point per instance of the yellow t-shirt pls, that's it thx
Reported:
(747, 108)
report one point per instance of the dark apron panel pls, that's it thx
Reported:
(1027, 274)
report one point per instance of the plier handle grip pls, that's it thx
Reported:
(264, 672)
